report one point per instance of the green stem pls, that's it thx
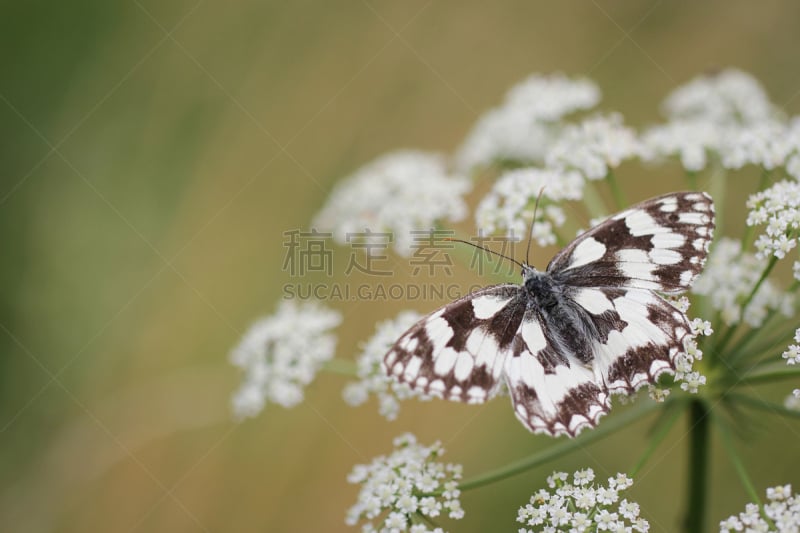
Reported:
(741, 471)
(767, 350)
(606, 428)
(420, 518)
(691, 179)
(720, 348)
(671, 414)
(342, 367)
(772, 374)
(594, 203)
(741, 346)
(698, 466)
(744, 341)
(761, 405)
(616, 190)
(749, 230)
(717, 186)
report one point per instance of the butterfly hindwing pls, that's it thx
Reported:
(650, 337)
(458, 351)
(660, 244)
(551, 392)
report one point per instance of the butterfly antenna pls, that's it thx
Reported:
(530, 230)
(485, 250)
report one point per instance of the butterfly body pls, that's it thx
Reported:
(591, 325)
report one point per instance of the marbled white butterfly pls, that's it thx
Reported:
(591, 325)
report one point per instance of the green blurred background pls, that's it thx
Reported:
(153, 153)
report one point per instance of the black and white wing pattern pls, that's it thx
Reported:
(593, 324)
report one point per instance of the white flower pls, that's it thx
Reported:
(606, 496)
(373, 379)
(726, 97)
(728, 278)
(523, 126)
(583, 477)
(779, 209)
(396, 483)
(594, 147)
(701, 327)
(792, 353)
(689, 140)
(727, 115)
(792, 401)
(620, 482)
(692, 381)
(783, 509)
(606, 520)
(509, 205)
(281, 354)
(657, 394)
(550, 98)
(629, 510)
(595, 504)
(504, 134)
(767, 144)
(731, 524)
(397, 193)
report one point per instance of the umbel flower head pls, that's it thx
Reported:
(402, 491)
(777, 208)
(399, 193)
(725, 117)
(781, 514)
(280, 355)
(525, 124)
(581, 505)
(507, 207)
(371, 377)
(729, 276)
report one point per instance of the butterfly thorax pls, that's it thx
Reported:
(542, 288)
(550, 300)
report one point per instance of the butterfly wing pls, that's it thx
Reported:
(635, 336)
(643, 341)
(551, 391)
(630, 335)
(660, 244)
(458, 351)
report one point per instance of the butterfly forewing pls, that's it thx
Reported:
(458, 351)
(592, 325)
(660, 244)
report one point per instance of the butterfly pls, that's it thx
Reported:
(593, 324)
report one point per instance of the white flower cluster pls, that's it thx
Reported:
(509, 205)
(281, 354)
(404, 489)
(728, 278)
(581, 506)
(690, 379)
(399, 192)
(769, 144)
(594, 147)
(792, 353)
(373, 378)
(777, 208)
(524, 125)
(729, 115)
(729, 96)
(782, 509)
(689, 140)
